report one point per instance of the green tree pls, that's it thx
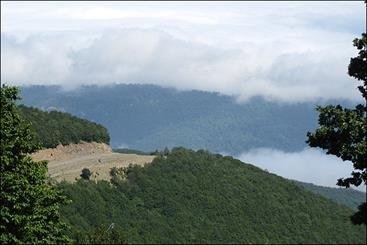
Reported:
(117, 175)
(29, 205)
(53, 128)
(102, 235)
(343, 131)
(86, 173)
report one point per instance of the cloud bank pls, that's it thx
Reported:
(309, 165)
(284, 51)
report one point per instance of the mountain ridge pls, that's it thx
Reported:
(346, 196)
(198, 197)
(149, 117)
(52, 128)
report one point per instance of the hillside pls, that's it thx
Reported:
(346, 196)
(198, 197)
(53, 127)
(147, 117)
(66, 162)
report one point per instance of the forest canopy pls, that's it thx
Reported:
(54, 127)
(191, 196)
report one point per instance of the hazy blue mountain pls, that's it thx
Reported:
(148, 117)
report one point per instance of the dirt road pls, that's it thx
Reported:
(67, 162)
(99, 164)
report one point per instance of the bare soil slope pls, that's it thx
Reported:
(67, 162)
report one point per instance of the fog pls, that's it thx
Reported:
(285, 51)
(310, 165)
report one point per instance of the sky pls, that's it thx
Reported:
(285, 51)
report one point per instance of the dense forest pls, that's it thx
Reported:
(148, 117)
(346, 196)
(199, 197)
(54, 127)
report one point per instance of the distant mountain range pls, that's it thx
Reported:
(148, 117)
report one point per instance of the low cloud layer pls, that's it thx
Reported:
(288, 51)
(309, 165)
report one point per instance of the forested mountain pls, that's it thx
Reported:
(198, 197)
(147, 117)
(346, 196)
(53, 127)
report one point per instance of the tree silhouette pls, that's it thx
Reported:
(343, 131)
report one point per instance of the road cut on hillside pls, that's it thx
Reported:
(67, 162)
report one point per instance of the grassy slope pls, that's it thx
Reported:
(197, 197)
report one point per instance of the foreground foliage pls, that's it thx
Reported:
(54, 127)
(29, 206)
(198, 197)
(343, 131)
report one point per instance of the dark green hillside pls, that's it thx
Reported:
(148, 117)
(346, 196)
(52, 128)
(132, 151)
(198, 197)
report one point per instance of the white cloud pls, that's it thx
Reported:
(285, 51)
(309, 165)
(33, 62)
